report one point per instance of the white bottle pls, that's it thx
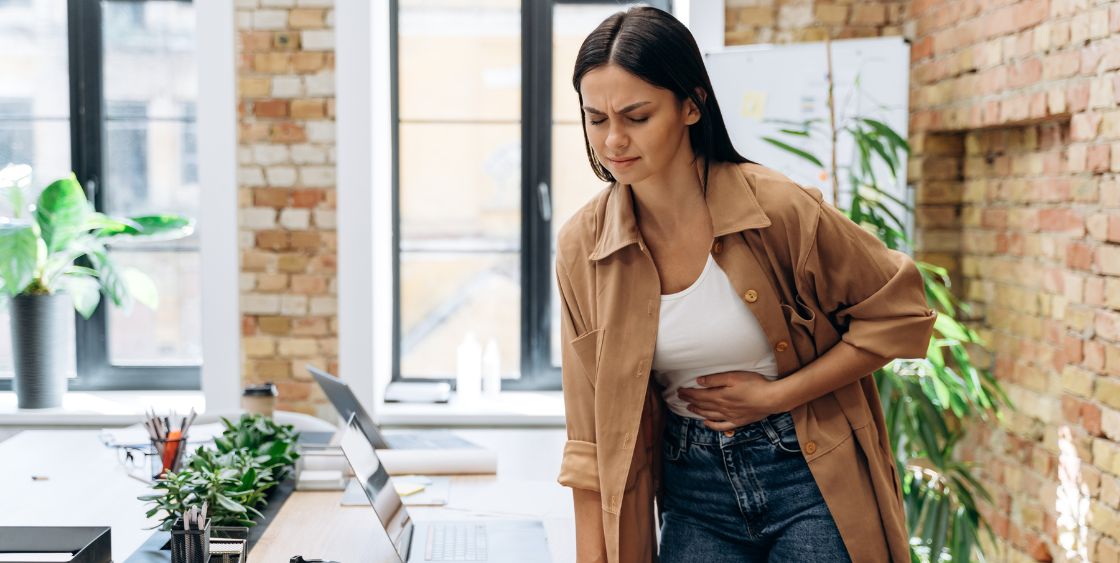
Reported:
(491, 370)
(468, 377)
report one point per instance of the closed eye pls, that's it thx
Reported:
(635, 120)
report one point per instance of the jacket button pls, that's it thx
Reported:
(810, 447)
(781, 346)
(729, 433)
(751, 296)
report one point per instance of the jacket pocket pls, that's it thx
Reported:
(802, 322)
(587, 348)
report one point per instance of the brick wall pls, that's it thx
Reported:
(791, 21)
(1015, 126)
(1015, 132)
(286, 196)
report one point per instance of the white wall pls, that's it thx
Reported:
(364, 189)
(217, 221)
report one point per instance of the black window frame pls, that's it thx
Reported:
(95, 371)
(536, 369)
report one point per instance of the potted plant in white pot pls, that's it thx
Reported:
(39, 246)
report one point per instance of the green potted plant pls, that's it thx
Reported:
(234, 478)
(929, 403)
(40, 280)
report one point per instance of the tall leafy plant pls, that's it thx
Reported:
(927, 403)
(40, 245)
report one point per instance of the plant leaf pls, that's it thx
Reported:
(84, 291)
(19, 255)
(61, 212)
(141, 286)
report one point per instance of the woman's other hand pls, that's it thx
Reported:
(731, 399)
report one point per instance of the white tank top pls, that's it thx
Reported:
(706, 329)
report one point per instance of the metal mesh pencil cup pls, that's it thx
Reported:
(190, 546)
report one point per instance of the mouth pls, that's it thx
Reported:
(623, 160)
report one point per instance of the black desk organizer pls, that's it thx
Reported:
(158, 547)
(87, 544)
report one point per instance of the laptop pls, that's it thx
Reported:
(346, 403)
(494, 541)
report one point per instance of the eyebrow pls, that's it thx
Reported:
(630, 107)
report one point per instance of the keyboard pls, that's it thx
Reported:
(455, 542)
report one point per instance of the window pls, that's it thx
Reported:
(113, 86)
(483, 184)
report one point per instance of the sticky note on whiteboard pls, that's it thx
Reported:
(753, 105)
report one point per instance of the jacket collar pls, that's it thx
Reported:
(730, 198)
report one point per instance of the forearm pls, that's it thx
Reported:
(840, 365)
(590, 542)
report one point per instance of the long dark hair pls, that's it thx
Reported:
(654, 46)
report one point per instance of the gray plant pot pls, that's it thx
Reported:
(39, 324)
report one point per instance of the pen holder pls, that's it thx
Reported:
(167, 455)
(190, 546)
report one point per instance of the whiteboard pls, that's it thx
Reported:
(757, 82)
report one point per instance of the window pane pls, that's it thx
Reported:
(34, 105)
(469, 47)
(475, 190)
(149, 56)
(150, 77)
(460, 181)
(573, 182)
(445, 295)
(171, 334)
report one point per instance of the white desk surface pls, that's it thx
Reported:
(86, 486)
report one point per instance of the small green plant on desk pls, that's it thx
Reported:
(251, 456)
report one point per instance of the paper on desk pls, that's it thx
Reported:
(434, 492)
(36, 557)
(457, 461)
(439, 462)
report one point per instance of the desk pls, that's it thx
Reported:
(86, 486)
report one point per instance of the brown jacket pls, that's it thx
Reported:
(810, 275)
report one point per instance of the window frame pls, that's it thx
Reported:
(95, 371)
(536, 369)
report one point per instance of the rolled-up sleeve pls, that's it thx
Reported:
(579, 465)
(873, 294)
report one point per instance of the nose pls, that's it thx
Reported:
(616, 136)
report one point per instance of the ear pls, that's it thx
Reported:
(692, 112)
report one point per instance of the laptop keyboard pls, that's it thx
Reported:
(456, 542)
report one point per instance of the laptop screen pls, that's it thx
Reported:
(344, 401)
(375, 481)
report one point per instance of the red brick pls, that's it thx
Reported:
(272, 240)
(309, 284)
(306, 197)
(1098, 158)
(287, 132)
(302, 240)
(270, 197)
(1079, 256)
(270, 108)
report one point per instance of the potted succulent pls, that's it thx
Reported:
(39, 245)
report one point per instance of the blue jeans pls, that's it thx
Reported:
(745, 498)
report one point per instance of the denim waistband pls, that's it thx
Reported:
(683, 431)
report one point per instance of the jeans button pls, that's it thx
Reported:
(729, 433)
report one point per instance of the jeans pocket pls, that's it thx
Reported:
(787, 439)
(670, 448)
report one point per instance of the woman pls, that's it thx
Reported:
(719, 327)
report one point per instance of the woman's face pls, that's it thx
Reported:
(635, 129)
